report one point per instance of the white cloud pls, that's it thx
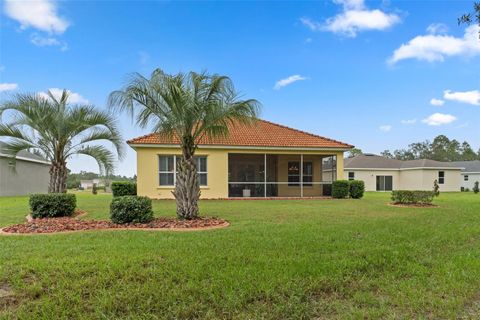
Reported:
(354, 18)
(438, 119)
(437, 28)
(437, 102)
(385, 128)
(312, 25)
(39, 14)
(285, 82)
(409, 121)
(436, 47)
(470, 97)
(8, 86)
(72, 98)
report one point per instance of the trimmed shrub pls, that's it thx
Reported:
(124, 188)
(412, 196)
(94, 189)
(340, 189)
(436, 188)
(476, 189)
(51, 205)
(131, 209)
(357, 189)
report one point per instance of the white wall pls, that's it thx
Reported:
(472, 177)
(415, 179)
(370, 177)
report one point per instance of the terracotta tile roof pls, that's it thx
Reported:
(260, 134)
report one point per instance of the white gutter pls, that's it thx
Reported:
(24, 159)
(207, 146)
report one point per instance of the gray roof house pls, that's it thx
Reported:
(385, 174)
(30, 174)
(470, 173)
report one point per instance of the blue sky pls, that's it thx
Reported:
(361, 72)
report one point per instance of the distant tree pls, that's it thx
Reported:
(467, 152)
(387, 154)
(354, 152)
(441, 149)
(403, 154)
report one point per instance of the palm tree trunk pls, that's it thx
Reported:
(187, 188)
(58, 177)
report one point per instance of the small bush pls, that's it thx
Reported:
(94, 189)
(131, 209)
(51, 205)
(124, 188)
(467, 190)
(476, 189)
(412, 197)
(340, 189)
(436, 188)
(462, 189)
(357, 189)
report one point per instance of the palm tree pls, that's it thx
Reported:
(189, 107)
(55, 130)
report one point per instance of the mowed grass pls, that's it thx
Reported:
(278, 260)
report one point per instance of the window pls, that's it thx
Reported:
(384, 183)
(351, 176)
(294, 173)
(441, 177)
(307, 174)
(465, 177)
(168, 169)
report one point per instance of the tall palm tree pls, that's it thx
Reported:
(56, 130)
(189, 107)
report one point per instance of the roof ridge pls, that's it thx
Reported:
(304, 132)
(141, 137)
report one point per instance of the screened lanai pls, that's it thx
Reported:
(280, 175)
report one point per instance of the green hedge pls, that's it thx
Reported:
(340, 189)
(124, 188)
(131, 209)
(52, 205)
(412, 196)
(357, 189)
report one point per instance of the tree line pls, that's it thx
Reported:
(73, 179)
(440, 149)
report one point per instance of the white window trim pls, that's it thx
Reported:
(175, 170)
(441, 181)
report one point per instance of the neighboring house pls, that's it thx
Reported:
(470, 173)
(88, 184)
(261, 160)
(28, 174)
(385, 174)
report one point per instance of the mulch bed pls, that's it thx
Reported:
(413, 205)
(68, 224)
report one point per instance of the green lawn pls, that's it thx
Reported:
(278, 259)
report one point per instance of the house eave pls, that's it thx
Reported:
(3, 155)
(208, 146)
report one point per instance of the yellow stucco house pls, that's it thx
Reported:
(262, 160)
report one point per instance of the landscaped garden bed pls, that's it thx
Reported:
(68, 224)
